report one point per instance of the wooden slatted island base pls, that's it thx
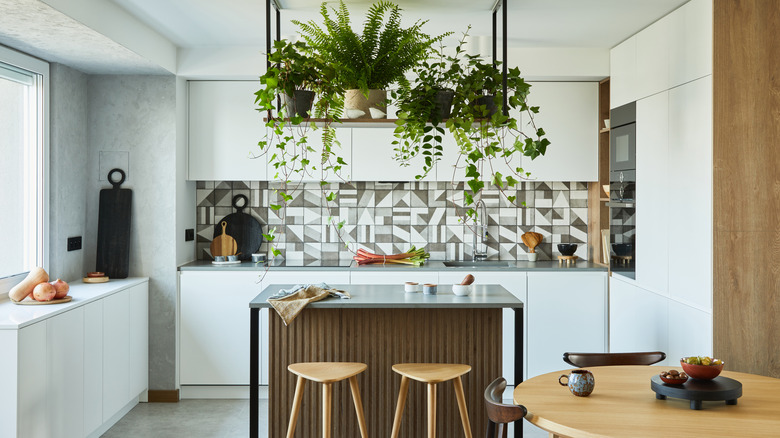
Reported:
(382, 326)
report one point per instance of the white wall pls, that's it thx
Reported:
(137, 114)
(68, 169)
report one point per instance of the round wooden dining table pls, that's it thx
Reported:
(623, 405)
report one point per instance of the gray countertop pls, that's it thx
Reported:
(431, 265)
(485, 296)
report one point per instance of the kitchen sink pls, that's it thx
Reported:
(478, 264)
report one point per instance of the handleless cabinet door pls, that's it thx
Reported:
(652, 58)
(623, 74)
(139, 338)
(652, 193)
(116, 354)
(373, 158)
(93, 366)
(569, 115)
(224, 129)
(65, 360)
(565, 313)
(637, 319)
(32, 386)
(690, 52)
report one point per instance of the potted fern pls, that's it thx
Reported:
(371, 61)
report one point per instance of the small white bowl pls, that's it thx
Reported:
(411, 287)
(461, 290)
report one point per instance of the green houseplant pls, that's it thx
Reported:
(485, 135)
(372, 60)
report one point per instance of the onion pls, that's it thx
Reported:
(44, 292)
(61, 288)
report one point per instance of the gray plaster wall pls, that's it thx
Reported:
(68, 148)
(137, 115)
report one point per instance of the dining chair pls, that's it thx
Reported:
(499, 414)
(581, 360)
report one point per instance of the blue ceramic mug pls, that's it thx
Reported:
(580, 382)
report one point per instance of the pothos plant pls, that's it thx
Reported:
(489, 136)
(295, 66)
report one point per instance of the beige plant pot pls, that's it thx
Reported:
(355, 100)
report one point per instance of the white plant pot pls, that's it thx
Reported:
(532, 257)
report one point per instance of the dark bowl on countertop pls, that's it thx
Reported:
(567, 249)
(623, 249)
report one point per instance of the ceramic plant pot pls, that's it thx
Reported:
(299, 103)
(487, 106)
(355, 100)
(444, 103)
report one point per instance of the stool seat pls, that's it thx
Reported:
(431, 372)
(327, 372)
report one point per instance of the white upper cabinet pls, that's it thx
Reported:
(652, 58)
(372, 158)
(224, 129)
(623, 73)
(568, 114)
(690, 40)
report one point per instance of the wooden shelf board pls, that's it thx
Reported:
(603, 130)
(353, 123)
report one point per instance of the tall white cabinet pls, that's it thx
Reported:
(672, 292)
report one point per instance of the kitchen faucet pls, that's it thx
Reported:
(481, 230)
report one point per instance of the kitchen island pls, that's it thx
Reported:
(381, 325)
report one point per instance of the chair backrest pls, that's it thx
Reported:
(603, 359)
(499, 413)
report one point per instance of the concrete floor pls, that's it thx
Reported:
(189, 419)
(211, 418)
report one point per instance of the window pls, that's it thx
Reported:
(24, 165)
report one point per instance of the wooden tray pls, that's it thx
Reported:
(25, 302)
(95, 279)
(718, 389)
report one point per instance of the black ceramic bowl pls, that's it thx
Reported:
(567, 249)
(623, 249)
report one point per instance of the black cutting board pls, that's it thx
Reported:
(244, 228)
(113, 237)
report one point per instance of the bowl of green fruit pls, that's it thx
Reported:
(702, 367)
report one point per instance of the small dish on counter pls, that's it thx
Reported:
(673, 377)
(411, 286)
(237, 262)
(461, 290)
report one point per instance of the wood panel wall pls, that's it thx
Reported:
(746, 142)
(381, 338)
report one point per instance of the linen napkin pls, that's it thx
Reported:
(288, 303)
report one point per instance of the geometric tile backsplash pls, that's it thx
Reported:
(388, 218)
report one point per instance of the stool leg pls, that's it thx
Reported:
(296, 407)
(361, 417)
(399, 409)
(431, 410)
(464, 413)
(327, 407)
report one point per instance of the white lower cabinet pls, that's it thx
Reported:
(566, 312)
(637, 318)
(214, 327)
(73, 372)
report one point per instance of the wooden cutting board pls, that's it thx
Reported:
(224, 244)
(243, 227)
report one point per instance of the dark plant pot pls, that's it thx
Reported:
(487, 101)
(443, 103)
(300, 103)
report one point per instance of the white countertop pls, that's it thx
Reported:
(15, 316)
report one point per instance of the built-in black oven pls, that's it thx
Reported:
(622, 190)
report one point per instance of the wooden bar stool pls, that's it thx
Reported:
(431, 373)
(327, 373)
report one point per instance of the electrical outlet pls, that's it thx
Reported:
(74, 243)
(189, 234)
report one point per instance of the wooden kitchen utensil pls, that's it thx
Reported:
(532, 240)
(224, 244)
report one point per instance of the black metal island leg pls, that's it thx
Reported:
(254, 372)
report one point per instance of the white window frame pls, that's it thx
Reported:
(40, 68)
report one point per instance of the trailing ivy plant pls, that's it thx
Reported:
(374, 59)
(296, 66)
(486, 137)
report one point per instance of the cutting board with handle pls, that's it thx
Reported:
(113, 236)
(243, 227)
(224, 244)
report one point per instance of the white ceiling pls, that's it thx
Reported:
(35, 28)
(532, 23)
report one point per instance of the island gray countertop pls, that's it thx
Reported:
(484, 296)
(430, 265)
